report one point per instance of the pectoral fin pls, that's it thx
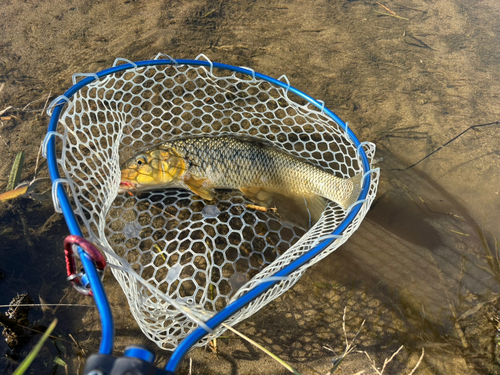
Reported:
(199, 187)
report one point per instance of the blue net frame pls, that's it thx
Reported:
(63, 204)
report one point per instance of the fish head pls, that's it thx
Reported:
(151, 169)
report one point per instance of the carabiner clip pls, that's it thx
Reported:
(79, 280)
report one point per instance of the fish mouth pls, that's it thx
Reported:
(127, 186)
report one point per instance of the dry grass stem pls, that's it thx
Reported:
(38, 159)
(387, 361)
(418, 363)
(25, 108)
(492, 255)
(30, 103)
(46, 102)
(5, 109)
(349, 346)
(212, 345)
(273, 356)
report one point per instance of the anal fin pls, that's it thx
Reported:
(258, 195)
(303, 211)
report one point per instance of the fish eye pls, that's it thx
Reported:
(140, 160)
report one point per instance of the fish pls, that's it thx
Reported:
(203, 164)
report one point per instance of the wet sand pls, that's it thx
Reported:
(417, 265)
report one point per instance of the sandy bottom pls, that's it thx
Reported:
(417, 271)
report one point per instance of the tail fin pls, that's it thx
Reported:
(356, 190)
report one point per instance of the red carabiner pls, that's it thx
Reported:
(89, 249)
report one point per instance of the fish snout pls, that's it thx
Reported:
(127, 186)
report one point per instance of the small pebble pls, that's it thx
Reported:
(132, 229)
(210, 211)
(237, 280)
(173, 273)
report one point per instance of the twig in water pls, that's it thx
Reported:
(391, 13)
(261, 208)
(387, 9)
(208, 13)
(415, 41)
(349, 346)
(418, 363)
(77, 344)
(49, 304)
(386, 14)
(386, 361)
(446, 144)
(158, 249)
(41, 333)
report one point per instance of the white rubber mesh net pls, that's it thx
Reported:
(180, 259)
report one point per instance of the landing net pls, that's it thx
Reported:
(180, 259)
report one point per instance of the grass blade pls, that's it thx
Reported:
(31, 357)
(491, 255)
(15, 172)
(60, 362)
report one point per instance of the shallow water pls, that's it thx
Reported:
(416, 270)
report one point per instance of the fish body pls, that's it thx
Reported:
(202, 164)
